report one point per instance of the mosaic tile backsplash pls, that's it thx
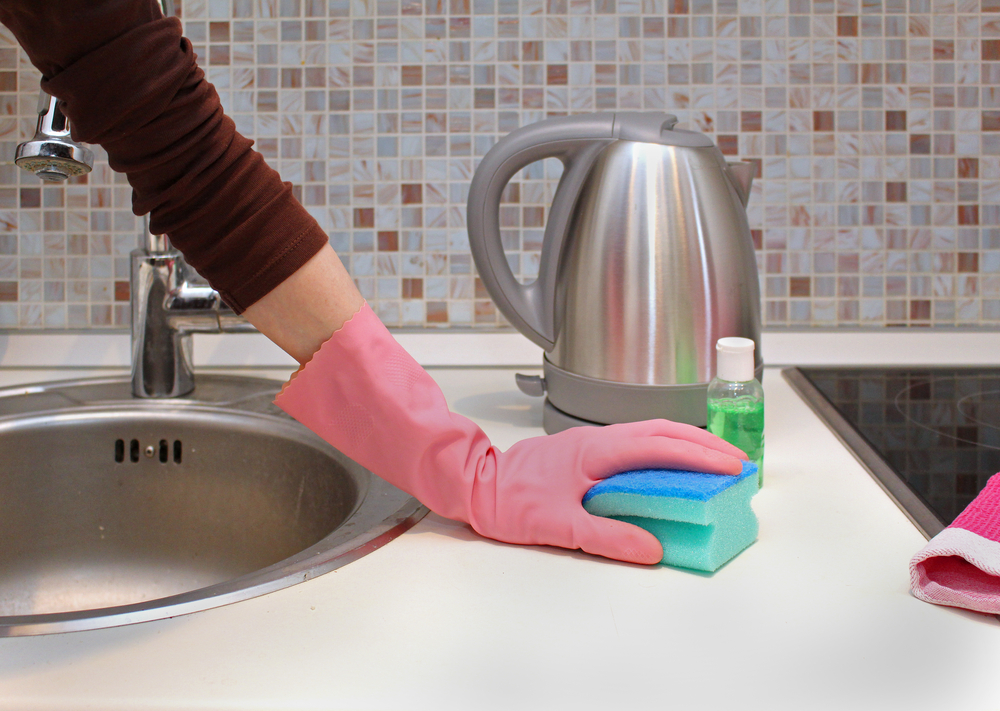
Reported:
(874, 124)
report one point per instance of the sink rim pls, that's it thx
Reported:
(394, 511)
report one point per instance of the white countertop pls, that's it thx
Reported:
(815, 615)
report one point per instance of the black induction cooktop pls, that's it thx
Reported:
(929, 436)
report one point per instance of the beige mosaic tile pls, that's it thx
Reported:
(874, 125)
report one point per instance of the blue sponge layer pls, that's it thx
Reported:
(702, 520)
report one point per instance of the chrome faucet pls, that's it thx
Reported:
(52, 154)
(168, 305)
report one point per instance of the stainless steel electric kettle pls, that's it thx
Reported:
(647, 260)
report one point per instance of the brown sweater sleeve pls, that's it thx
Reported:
(130, 83)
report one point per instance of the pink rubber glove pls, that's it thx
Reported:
(366, 396)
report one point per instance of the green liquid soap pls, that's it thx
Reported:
(740, 421)
(736, 400)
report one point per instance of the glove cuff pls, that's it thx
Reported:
(365, 395)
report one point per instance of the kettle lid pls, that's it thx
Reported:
(656, 127)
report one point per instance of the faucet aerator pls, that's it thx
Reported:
(52, 154)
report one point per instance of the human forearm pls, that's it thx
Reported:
(302, 312)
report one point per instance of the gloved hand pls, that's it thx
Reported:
(366, 396)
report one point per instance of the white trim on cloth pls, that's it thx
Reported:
(958, 568)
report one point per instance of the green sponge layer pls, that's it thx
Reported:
(702, 520)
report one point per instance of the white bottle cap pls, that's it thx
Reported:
(734, 359)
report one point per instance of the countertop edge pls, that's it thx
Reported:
(510, 349)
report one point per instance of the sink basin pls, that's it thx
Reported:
(115, 510)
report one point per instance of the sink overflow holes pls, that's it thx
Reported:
(161, 450)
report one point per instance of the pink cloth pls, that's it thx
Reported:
(960, 566)
(366, 396)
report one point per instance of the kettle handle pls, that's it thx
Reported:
(575, 141)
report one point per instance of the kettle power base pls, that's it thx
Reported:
(608, 401)
(555, 420)
(572, 400)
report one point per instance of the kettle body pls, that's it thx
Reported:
(647, 260)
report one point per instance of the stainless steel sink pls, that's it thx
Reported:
(116, 510)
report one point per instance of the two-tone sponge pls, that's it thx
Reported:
(702, 520)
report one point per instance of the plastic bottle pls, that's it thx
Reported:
(736, 400)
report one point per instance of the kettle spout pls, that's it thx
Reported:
(742, 174)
